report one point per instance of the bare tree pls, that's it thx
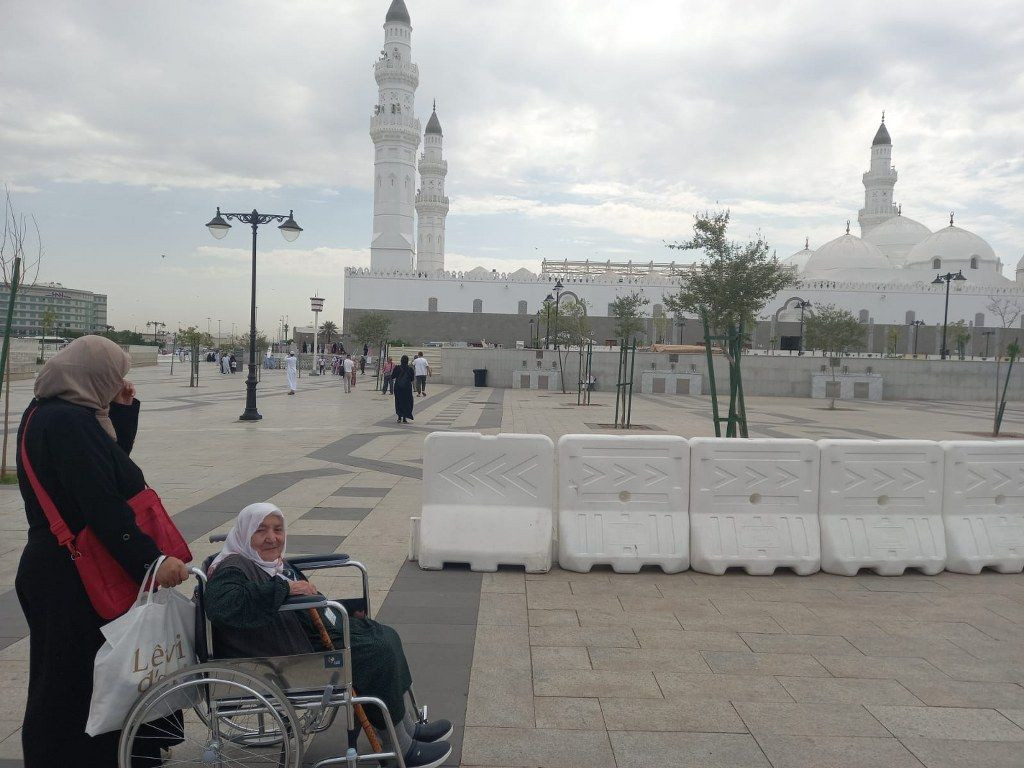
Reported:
(21, 253)
(1006, 309)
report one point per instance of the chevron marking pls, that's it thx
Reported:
(786, 478)
(654, 475)
(974, 480)
(853, 479)
(912, 479)
(882, 479)
(723, 477)
(469, 474)
(623, 475)
(754, 477)
(1003, 479)
(593, 475)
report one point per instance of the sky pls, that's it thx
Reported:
(572, 130)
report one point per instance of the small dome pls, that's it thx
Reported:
(398, 12)
(522, 273)
(895, 237)
(846, 257)
(950, 244)
(881, 137)
(799, 259)
(433, 125)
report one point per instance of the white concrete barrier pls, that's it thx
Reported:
(487, 501)
(983, 506)
(881, 506)
(622, 501)
(753, 504)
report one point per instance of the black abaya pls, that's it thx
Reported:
(89, 478)
(403, 377)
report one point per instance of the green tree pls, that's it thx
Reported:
(49, 319)
(372, 328)
(262, 344)
(960, 335)
(835, 331)
(729, 287)
(571, 332)
(892, 341)
(628, 312)
(195, 340)
(329, 330)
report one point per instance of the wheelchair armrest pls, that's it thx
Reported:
(217, 538)
(304, 602)
(316, 562)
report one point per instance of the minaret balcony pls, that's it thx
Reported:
(389, 71)
(399, 127)
(429, 166)
(432, 203)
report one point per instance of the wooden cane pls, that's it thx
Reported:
(364, 721)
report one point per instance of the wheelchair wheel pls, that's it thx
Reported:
(213, 717)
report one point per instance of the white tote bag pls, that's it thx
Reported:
(153, 640)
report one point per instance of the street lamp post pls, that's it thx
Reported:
(558, 299)
(803, 305)
(988, 336)
(531, 332)
(317, 305)
(917, 330)
(219, 227)
(947, 278)
(547, 323)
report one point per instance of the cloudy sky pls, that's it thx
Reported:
(573, 129)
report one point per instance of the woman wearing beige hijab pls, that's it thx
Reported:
(78, 433)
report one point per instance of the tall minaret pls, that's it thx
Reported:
(396, 137)
(431, 202)
(878, 183)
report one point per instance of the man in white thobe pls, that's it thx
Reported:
(291, 372)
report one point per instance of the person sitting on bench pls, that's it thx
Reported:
(249, 581)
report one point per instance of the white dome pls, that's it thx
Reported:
(798, 260)
(953, 246)
(895, 237)
(847, 258)
(522, 273)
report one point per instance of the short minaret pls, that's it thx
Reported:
(878, 183)
(396, 137)
(431, 202)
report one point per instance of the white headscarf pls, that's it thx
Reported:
(239, 541)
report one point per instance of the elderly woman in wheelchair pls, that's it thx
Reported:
(287, 661)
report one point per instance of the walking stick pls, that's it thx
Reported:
(364, 721)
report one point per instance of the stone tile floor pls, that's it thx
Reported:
(600, 669)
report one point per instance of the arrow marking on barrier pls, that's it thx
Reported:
(1003, 479)
(654, 475)
(786, 478)
(977, 478)
(468, 473)
(853, 479)
(882, 479)
(724, 477)
(754, 477)
(913, 479)
(593, 474)
(623, 475)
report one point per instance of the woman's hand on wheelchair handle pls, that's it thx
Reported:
(171, 573)
(301, 588)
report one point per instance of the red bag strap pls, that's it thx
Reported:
(57, 525)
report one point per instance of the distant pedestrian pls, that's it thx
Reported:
(349, 372)
(366, 349)
(233, 363)
(225, 363)
(291, 372)
(362, 365)
(422, 368)
(403, 376)
(387, 370)
(321, 365)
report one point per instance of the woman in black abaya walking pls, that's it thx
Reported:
(403, 377)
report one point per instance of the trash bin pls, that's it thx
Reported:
(479, 377)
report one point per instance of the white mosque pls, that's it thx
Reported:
(886, 276)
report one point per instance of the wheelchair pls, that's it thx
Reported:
(249, 712)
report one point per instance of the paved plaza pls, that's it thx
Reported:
(600, 669)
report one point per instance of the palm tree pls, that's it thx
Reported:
(329, 329)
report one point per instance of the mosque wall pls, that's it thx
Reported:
(763, 375)
(495, 294)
